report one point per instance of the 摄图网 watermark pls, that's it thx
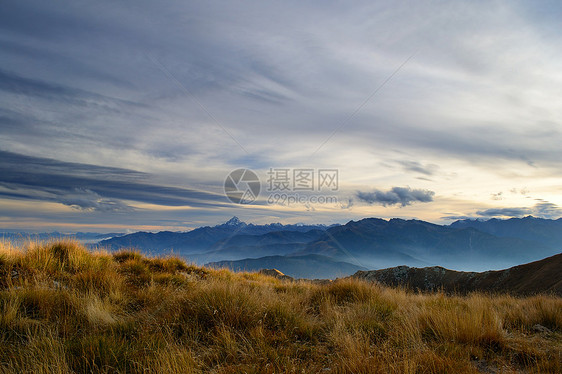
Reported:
(283, 186)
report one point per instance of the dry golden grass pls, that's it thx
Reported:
(64, 309)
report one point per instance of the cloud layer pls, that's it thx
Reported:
(137, 102)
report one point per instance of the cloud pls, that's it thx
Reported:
(90, 187)
(87, 200)
(522, 191)
(307, 75)
(504, 212)
(417, 167)
(456, 217)
(14, 163)
(542, 209)
(346, 203)
(497, 196)
(17, 84)
(547, 210)
(396, 195)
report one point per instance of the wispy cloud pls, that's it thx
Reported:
(19, 85)
(417, 167)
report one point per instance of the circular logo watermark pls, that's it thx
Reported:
(242, 186)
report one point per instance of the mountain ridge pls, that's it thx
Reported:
(200, 239)
(543, 230)
(542, 276)
(379, 243)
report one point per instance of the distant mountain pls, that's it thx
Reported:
(377, 243)
(84, 237)
(244, 252)
(274, 237)
(198, 240)
(544, 276)
(252, 246)
(309, 266)
(545, 231)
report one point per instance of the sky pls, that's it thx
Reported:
(130, 115)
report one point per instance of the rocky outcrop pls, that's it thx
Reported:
(276, 274)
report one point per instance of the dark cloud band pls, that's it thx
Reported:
(89, 187)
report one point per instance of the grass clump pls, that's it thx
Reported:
(64, 309)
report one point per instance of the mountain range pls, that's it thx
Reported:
(376, 243)
(545, 231)
(202, 239)
(370, 243)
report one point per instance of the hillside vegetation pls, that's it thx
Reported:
(64, 309)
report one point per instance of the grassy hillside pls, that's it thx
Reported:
(64, 309)
(539, 276)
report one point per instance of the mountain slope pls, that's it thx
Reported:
(274, 237)
(379, 243)
(233, 253)
(544, 276)
(309, 266)
(244, 246)
(540, 230)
